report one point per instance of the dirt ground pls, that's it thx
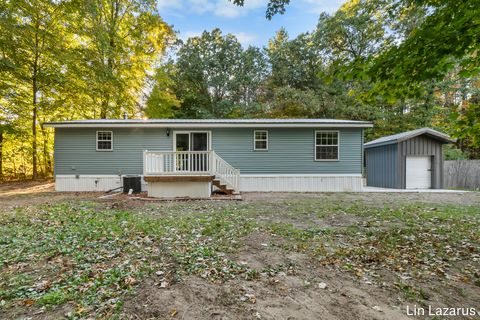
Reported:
(303, 289)
(38, 192)
(293, 294)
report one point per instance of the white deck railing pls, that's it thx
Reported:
(158, 163)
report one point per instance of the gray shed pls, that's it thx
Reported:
(408, 160)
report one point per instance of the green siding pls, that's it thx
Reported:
(291, 151)
(76, 148)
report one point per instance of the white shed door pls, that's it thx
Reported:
(418, 173)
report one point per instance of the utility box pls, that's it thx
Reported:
(132, 182)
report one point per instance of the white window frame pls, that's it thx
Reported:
(315, 145)
(255, 140)
(208, 132)
(96, 140)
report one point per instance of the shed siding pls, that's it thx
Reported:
(421, 146)
(291, 151)
(382, 166)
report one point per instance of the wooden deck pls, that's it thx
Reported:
(179, 178)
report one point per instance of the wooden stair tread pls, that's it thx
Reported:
(223, 187)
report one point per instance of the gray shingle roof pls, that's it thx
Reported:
(408, 135)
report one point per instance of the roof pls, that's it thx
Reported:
(208, 123)
(399, 137)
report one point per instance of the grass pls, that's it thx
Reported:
(93, 257)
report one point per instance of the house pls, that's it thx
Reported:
(189, 157)
(408, 160)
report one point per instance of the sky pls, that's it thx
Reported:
(191, 17)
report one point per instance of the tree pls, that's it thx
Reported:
(215, 75)
(5, 128)
(449, 32)
(295, 62)
(162, 101)
(32, 36)
(120, 41)
(273, 7)
(354, 33)
(69, 60)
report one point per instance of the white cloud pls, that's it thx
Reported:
(169, 4)
(200, 6)
(319, 6)
(225, 8)
(222, 8)
(245, 38)
(189, 34)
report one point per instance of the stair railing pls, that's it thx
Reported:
(225, 171)
(191, 162)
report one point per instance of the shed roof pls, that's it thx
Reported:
(399, 137)
(208, 123)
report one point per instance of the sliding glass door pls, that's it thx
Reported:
(192, 141)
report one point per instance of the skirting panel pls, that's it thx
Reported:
(248, 183)
(301, 183)
(72, 183)
(174, 189)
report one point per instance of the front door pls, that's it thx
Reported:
(189, 142)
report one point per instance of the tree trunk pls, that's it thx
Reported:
(110, 53)
(1, 155)
(34, 102)
(34, 130)
(104, 107)
(46, 156)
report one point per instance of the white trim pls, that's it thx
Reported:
(255, 140)
(315, 145)
(89, 175)
(300, 175)
(90, 182)
(209, 125)
(96, 140)
(301, 183)
(242, 175)
(248, 183)
(209, 138)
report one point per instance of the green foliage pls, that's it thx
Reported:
(215, 75)
(467, 124)
(431, 49)
(70, 60)
(295, 103)
(273, 7)
(162, 102)
(453, 153)
(125, 39)
(401, 64)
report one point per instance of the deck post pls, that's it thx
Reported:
(212, 162)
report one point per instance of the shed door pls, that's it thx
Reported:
(418, 172)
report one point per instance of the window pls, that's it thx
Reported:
(104, 140)
(326, 145)
(260, 140)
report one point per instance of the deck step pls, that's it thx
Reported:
(223, 187)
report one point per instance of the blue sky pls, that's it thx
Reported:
(192, 17)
